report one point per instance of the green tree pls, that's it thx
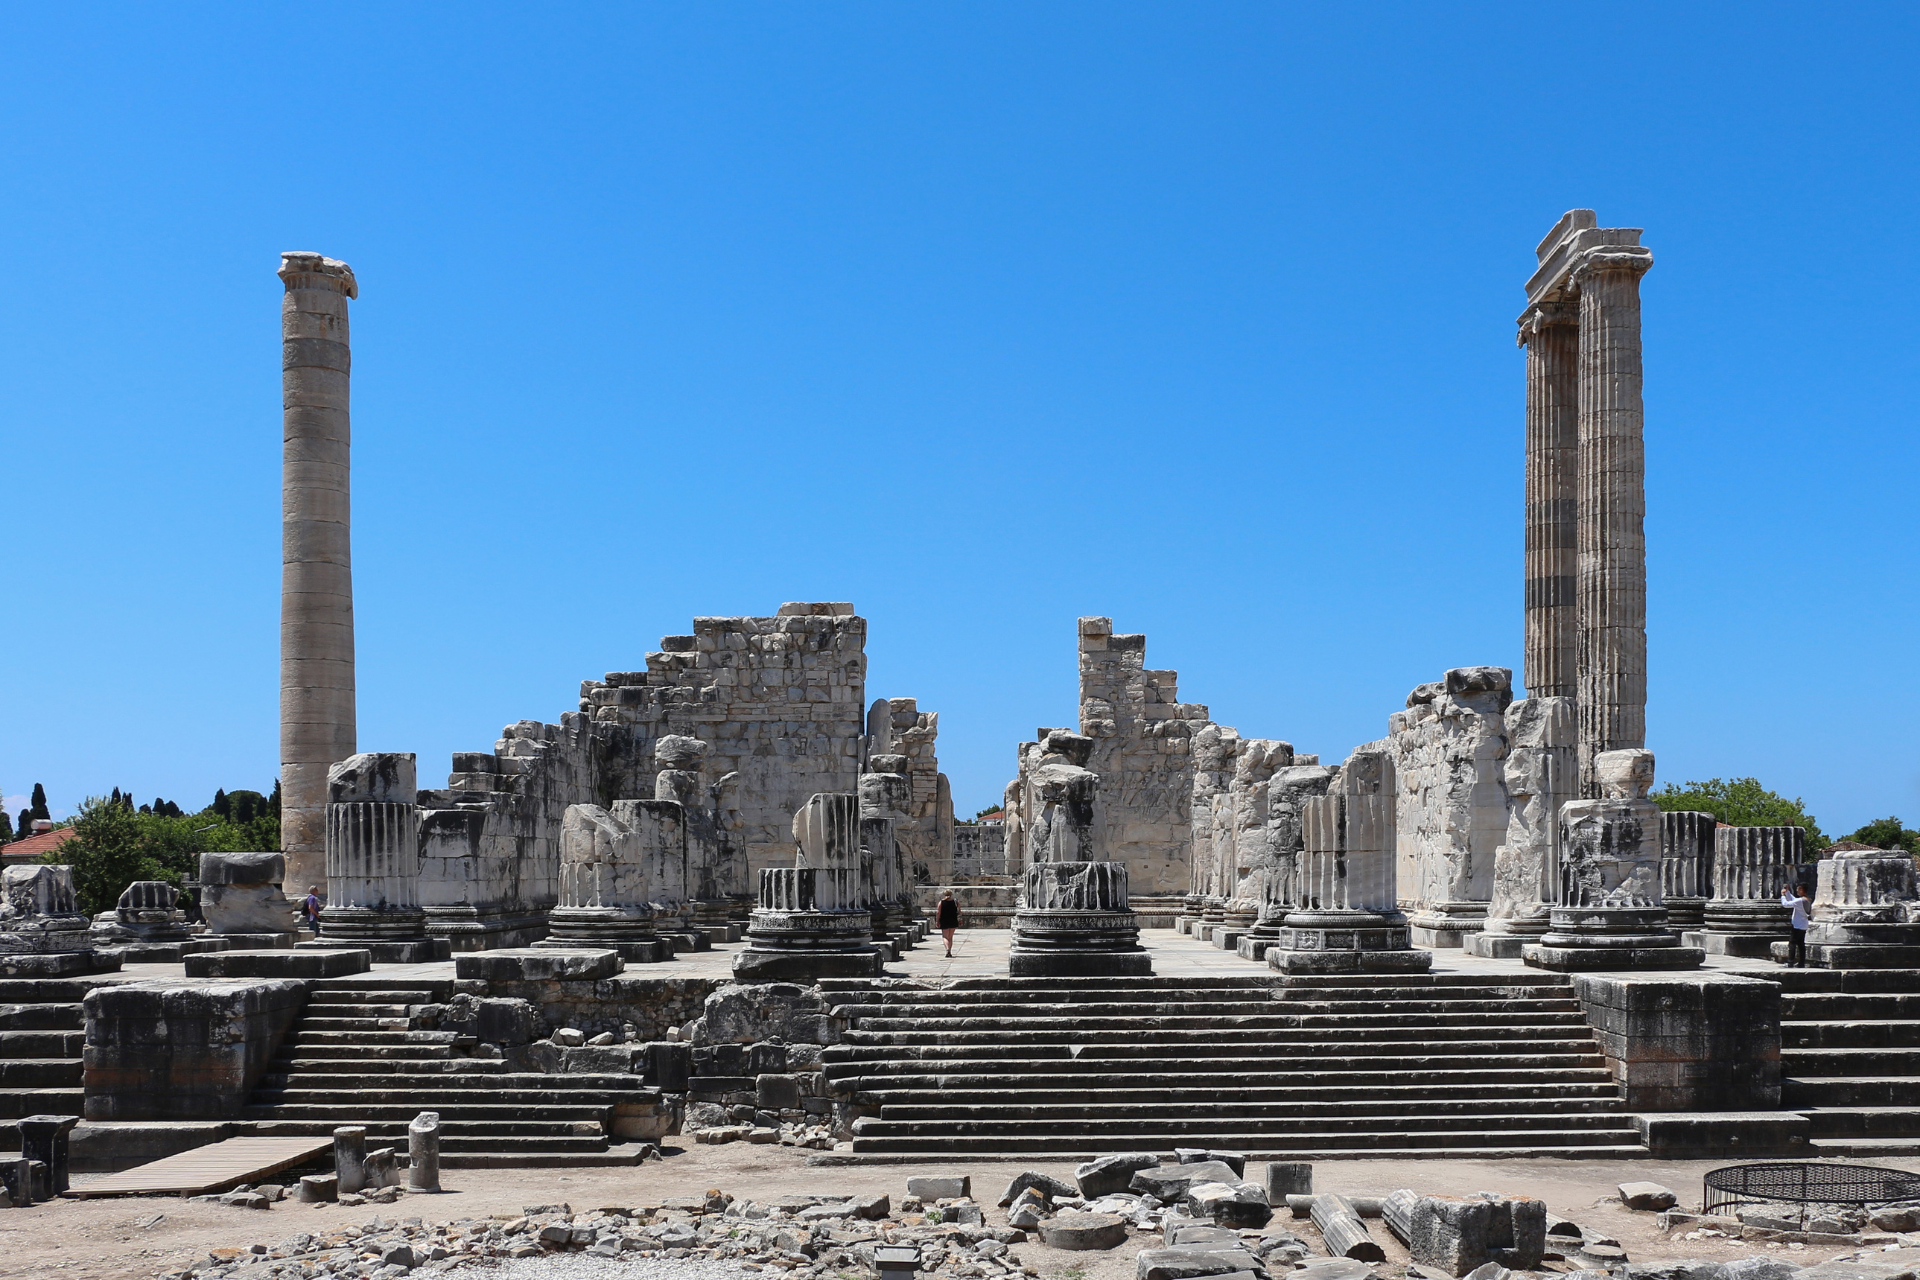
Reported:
(39, 802)
(1741, 802)
(113, 846)
(1889, 833)
(987, 812)
(6, 827)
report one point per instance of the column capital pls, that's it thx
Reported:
(1536, 318)
(1571, 242)
(1604, 258)
(303, 270)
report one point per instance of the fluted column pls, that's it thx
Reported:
(1686, 865)
(316, 577)
(1551, 338)
(1611, 505)
(372, 850)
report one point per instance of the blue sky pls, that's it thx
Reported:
(981, 316)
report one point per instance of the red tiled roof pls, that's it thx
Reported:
(36, 846)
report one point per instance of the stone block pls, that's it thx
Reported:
(1109, 1174)
(1239, 1204)
(172, 1049)
(1288, 1178)
(748, 1013)
(529, 964)
(1450, 1233)
(1046, 1184)
(278, 964)
(1647, 1196)
(1170, 1182)
(240, 893)
(940, 1187)
(778, 1092)
(1199, 1155)
(1187, 1263)
(1084, 1231)
(1687, 1042)
(1705, 1135)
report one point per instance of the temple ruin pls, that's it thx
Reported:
(694, 902)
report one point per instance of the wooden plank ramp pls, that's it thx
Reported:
(215, 1167)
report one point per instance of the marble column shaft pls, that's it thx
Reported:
(1611, 505)
(1552, 342)
(317, 726)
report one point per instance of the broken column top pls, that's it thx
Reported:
(374, 777)
(814, 609)
(678, 751)
(1625, 775)
(1076, 747)
(243, 868)
(305, 270)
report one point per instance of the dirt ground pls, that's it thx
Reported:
(104, 1239)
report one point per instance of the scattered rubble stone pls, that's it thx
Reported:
(1647, 1196)
(1096, 1231)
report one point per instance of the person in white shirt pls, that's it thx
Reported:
(1796, 899)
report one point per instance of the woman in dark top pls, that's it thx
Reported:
(948, 918)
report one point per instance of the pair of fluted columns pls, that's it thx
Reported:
(1586, 575)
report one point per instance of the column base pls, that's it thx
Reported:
(385, 951)
(1080, 964)
(1686, 913)
(1608, 959)
(805, 946)
(1447, 925)
(468, 928)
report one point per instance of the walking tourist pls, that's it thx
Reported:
(948, 918)
(1797, 900)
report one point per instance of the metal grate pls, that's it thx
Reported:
(1803, 1183)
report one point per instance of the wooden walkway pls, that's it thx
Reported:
(215, 1167)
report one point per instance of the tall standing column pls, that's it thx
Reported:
(1551, 338)
(316, 578)
(1611, 581)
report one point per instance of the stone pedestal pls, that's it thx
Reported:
(1191, 907)
(1346, 919)
(1074, 921)
(1287, 793)
(1860, 913)
(1541, 775)
(38, 915)
(240, 897)
(605, 896)
(147, 926)
(1751, 867)
(885, 805)
(1610, 916)
(373, 861)
(812, 921)
(1686, 866)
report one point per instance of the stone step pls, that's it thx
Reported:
(388, 1067)
(1209, 1132)
(43, 1017)
(1418, 1097)
(1873, 1148)
(1207, 1010)
(1333, 1114)
(377, 1106)
(304, 1035)
(368, 1022)
(1359, 985)
(1865, 1034)
(1840, 1006)
(39, 1073)
(335, 995)
(1797, 1092)
(15, 1103)
(354, 1082)
(396, 1136)
(575, 1127)
(1872, 1061)
(906, 1046)
(42, 1044)
(1864, 1122)
(415, 1099)
(1065, 1021)
(1804, 980)
(1212, 1071)
(1000, 983)
(1210, 1082)
(45, 990)
(367, 1052)
(987, 1120)
(1478, 1146)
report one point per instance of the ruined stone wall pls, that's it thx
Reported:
(1449, 748)
(979, 849)
(897, 726)
(781, 701)
(490, 842)
(1141, 732)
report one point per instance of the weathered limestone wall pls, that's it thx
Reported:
(316, 574)
(1141, 733)
(174, 1049)
(979, 849)
(781, 701)
(897, 726)
(1449, 749)
(490, 842)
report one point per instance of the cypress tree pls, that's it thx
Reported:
(222, 805)
(40, 809)
(6, 827)
(25, 825)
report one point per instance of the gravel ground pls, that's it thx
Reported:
(578, 1266)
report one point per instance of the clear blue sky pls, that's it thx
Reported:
(981, 316)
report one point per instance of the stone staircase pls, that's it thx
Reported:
(42, 1035)
(364, 1055)
(1276, 1067)
(1850, 1057)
